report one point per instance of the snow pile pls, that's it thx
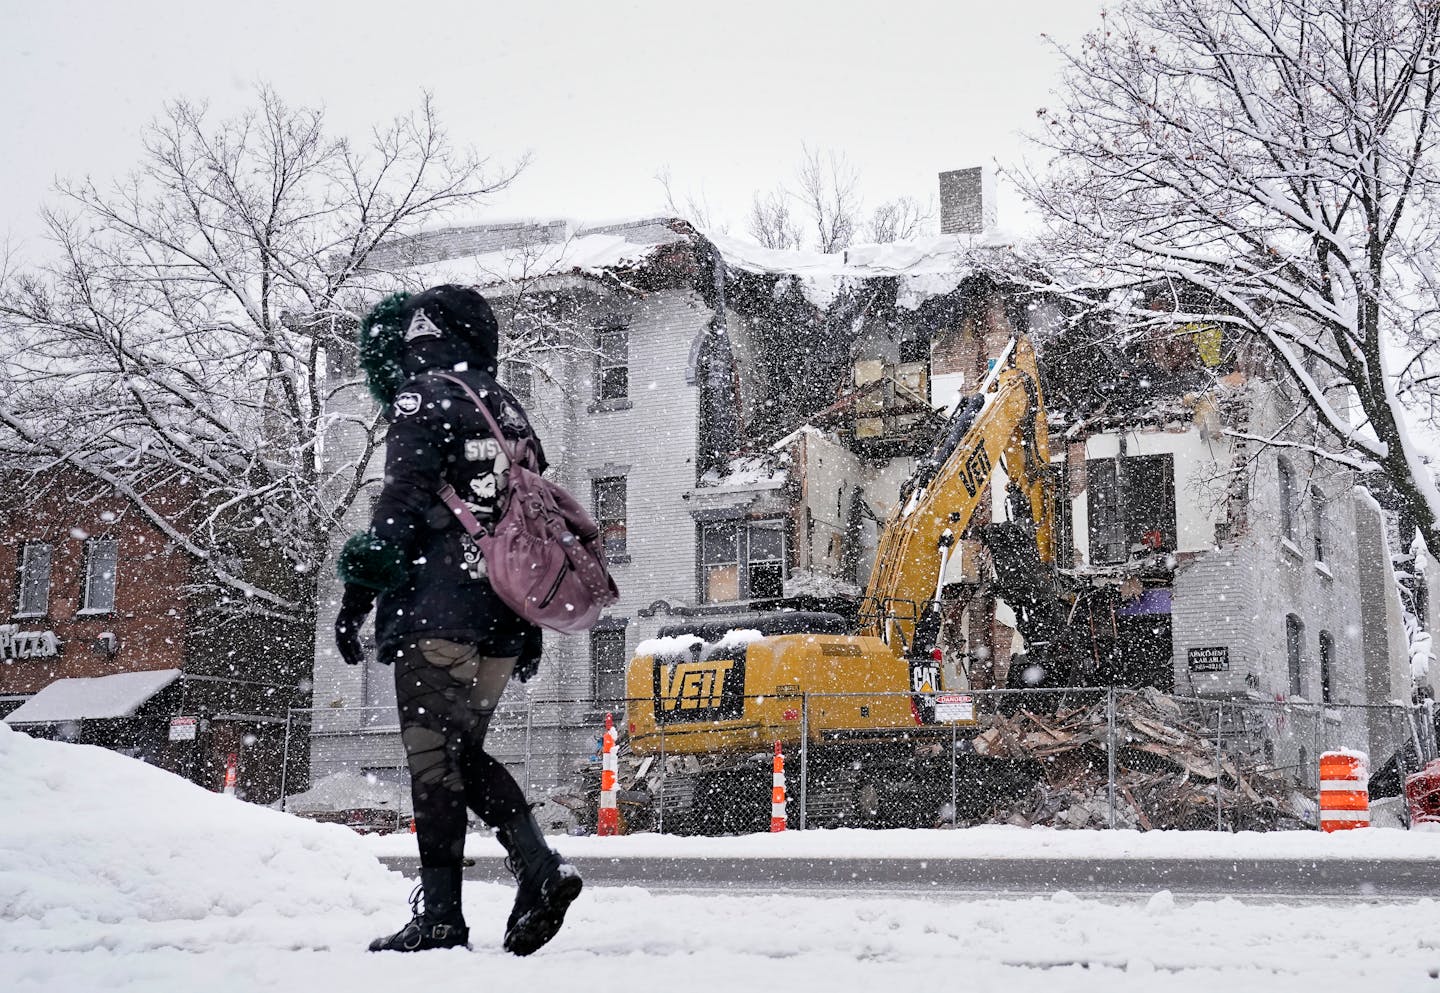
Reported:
(738, 638)
(102, 851)
(746, 472)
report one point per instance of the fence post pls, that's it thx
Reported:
(660, 817)
(1219, 764)
(804, 753)
(1110, 750)
(285, 758)
(954, 777)
(529, 750)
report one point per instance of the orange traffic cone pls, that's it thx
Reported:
(777, 793)
(608, 822)
(1344, 791)
(231, 768)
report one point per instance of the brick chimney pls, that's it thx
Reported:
(967, 201)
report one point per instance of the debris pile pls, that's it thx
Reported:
(1168, 771)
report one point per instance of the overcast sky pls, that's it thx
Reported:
(603, 95)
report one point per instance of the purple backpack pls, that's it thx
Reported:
(543, 557)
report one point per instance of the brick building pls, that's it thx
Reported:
(101, 642)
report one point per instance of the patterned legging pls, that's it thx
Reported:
(447, 692)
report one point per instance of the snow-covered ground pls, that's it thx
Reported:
(116, 876)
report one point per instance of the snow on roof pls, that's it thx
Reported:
(93, 698)
(764, 471)
(513, 253)
(926, 267)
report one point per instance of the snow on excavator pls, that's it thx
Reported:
(871, 706)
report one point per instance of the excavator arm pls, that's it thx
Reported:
(1002, 425)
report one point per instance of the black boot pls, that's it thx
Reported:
(547, 885)
(440, 925)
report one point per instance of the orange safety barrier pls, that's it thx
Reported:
(608, 821)
(1422, 794)
(231, 769)
(777, 792)
(1344, 791)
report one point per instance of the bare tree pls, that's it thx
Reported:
(176, 350)
(898, 220)
(1273, 163)
(829, 190)
(771, 222)
(692, 207)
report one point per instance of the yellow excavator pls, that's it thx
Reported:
(864, 703)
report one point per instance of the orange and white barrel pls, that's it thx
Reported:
(1344, 790)
(777, 792)
(231, 769)
(608, 822)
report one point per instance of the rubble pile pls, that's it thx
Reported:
(1168, 773)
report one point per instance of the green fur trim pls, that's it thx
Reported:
(382, 339)
(372, 562)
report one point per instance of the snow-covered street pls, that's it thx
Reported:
(192, 891)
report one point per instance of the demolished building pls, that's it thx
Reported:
(741, 421)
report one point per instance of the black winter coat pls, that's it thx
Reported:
(437, 436)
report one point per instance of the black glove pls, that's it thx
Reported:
(354, 608)
(529, 661)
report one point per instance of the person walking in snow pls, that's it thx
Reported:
(453, 643)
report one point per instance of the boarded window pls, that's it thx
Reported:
(34, 599)
(612, 373)
(1327, 665)
(101, 557)
(1294, 642)
(610, 514)
(742, 560)
(1286, 477)
(1131, 506)
(607, 666)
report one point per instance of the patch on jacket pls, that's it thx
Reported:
(421, 327)
(407, 403)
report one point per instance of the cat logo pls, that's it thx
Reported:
(700, 691)
(976, 469)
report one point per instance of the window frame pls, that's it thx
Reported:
(1111, 513)
(519, 379)
(612, 636)
(1327, 667)
(1318, 522)
(1295, 653)
(597, 485)
(1285, 492)
(25, 583)
(612, 360)
(87, 590)
(744, 561)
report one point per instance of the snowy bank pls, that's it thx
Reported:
(94, 846)
(987, 842)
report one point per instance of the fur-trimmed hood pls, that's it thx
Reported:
(405, 334)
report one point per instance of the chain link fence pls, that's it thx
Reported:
(1070, 758)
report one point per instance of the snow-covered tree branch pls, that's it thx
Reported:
(1272, 162)
(176, 347)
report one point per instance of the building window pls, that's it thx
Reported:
(612, 372)
(34, 587)
(1131, 506)
(609, 501)
(519, 378)
(1327, 663)
(607, 665)
(1317, 512)
(1294, 641)
(742, 560)
(101, 556)
(1287, 499)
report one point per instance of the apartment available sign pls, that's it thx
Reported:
(1209, 659)
(16, 644)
